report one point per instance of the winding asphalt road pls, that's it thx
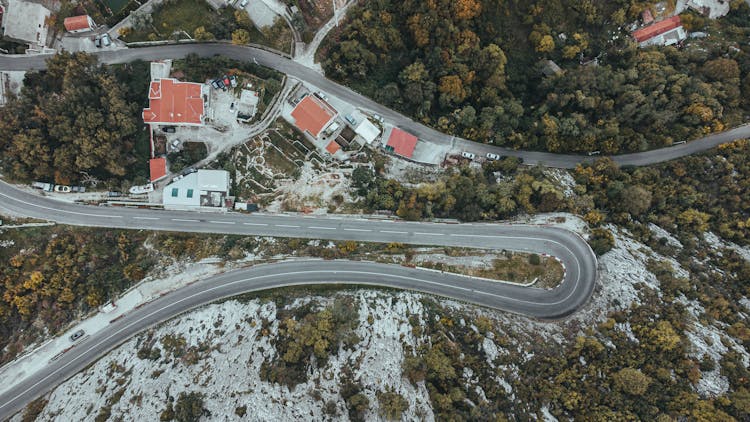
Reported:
(579, 261)
(299, 71)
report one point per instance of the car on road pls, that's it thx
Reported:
(98, 41)
(168, 129)
(106, 41)
(62, 188)
(78, 334)
(468, 155)
(492, 157)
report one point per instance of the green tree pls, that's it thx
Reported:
(189, 407)
(632, 381)
(240, 37)
(392, 404)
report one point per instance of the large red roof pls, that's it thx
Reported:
(75, 23)
(657, 28)
(158, 168)
(402, 143)
(174, 102)
(312, 114)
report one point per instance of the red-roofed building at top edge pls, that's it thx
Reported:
(172, 102)
(666, 32)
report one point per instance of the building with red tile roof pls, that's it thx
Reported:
(172, 102)
(158, 168)
(312, 114)
(401, 143)
(80, 23)
(666, 32)
(333, 147)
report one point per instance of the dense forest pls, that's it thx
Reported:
(76, 117)
(474, 68)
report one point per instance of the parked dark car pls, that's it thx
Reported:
(78, 334)
(114, 194)
(215, 84)
(168, 129)
(78, 189)
(188, 170)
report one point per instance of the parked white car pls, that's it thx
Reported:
(468, 155)
(492, 157)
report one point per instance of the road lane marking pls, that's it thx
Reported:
(358, 230)
(429, 234)
(322, 228)
(222, 222)
(255, 224)
(392, 232)
(59, 209)
(287, 225)
(185, 220)
(145, 218)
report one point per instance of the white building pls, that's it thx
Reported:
(367, 131)
(26, 22)
(204, 189)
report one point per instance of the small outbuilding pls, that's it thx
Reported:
(76, 24)
(367, 131)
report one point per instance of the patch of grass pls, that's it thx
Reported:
(279, 163)
(514, 267)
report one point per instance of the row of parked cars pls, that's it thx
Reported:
(102, 41)
(471, 156)
(49, 187)
(224, 82)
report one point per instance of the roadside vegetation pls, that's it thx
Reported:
(196, 19)
(473, 68)
(77, 118)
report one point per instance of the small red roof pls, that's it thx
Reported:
(174, 102)
(158, 167)
(312, 114)
(402, 143)
(333, 147)
(75, 23)
(657, 28)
